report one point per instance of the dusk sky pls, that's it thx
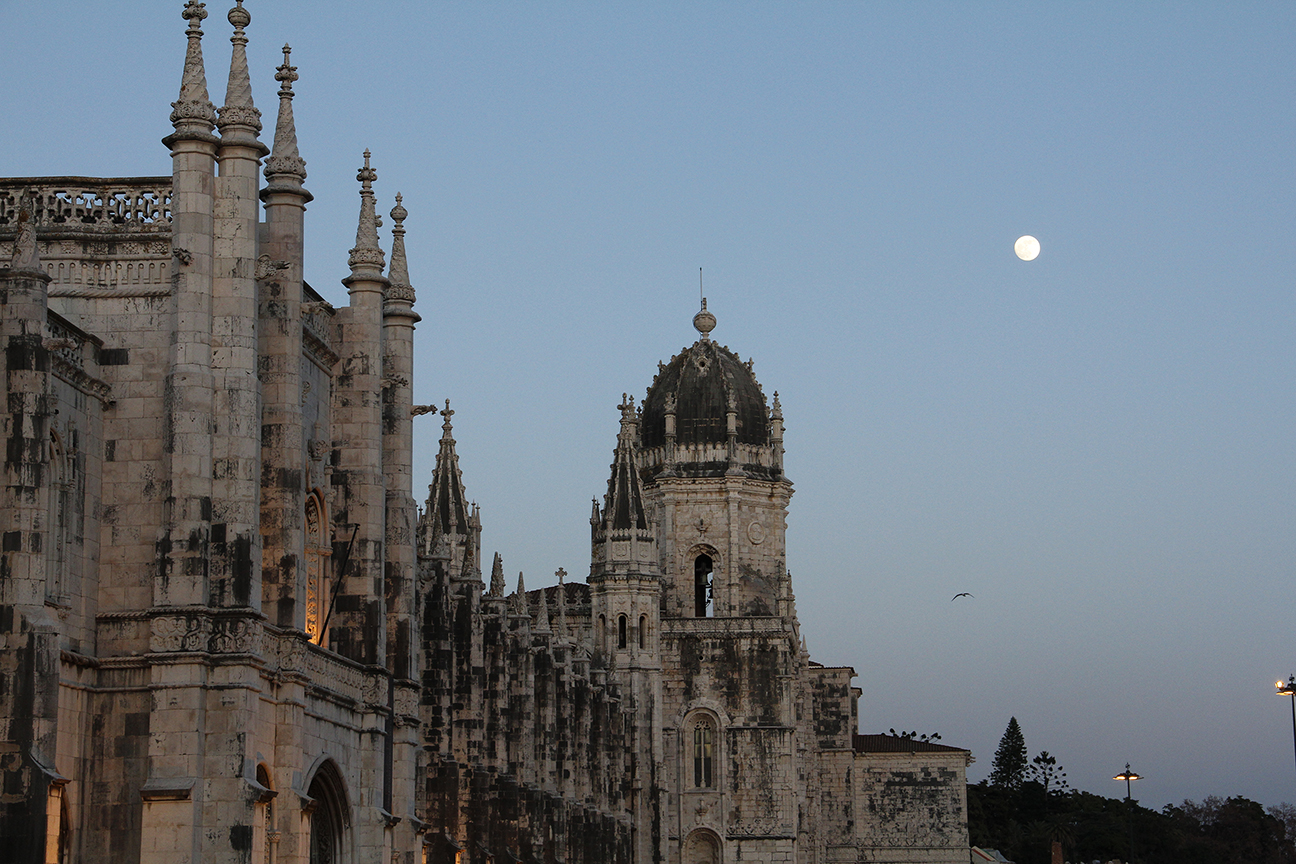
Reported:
(1098, 444)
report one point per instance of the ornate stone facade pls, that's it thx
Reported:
(228, 634)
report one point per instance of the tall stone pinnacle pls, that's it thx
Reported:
(286, 169)
(240, 121)
(497, 577)
(367, 259)
(193, 115)
(398, 273)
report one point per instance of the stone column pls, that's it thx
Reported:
(283, 442)
(29, 637)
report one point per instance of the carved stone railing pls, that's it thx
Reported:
(97, 237)
(89, 204)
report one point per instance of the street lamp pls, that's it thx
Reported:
(1127, 775)
(1289, 689)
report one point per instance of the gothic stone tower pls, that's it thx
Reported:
(710, 463)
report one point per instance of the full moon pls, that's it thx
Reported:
(1027, 248)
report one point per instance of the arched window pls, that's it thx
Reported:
(328, 818)
(621, 631)
(317, 554)
(703, 753)
(643, 632)
(702, 568)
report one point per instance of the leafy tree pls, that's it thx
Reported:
(1045, 770)
(1009, 766)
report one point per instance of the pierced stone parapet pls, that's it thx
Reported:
(88, 204)
(96, 237)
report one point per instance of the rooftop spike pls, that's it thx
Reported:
(367, 259)
(285, 169)
(497, 577)
(398, 273)
(542, 614)
(447, 507)
(240, 121)
(193, 115)
(521, 589)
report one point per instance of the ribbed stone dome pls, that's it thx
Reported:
(702, 379)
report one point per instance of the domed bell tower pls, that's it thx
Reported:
(712, 470)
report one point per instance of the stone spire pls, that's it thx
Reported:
(398, 273)
(447, 508)
(367, 259)
(562, 603)
(193, 115)
(542, 615)
(623, 508)
(521, 589)
(240, 121)
(286, 169)
(497, 577)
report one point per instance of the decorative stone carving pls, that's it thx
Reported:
(268, 270)
(171, 634)
(235, 636)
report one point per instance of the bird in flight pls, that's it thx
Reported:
(956, 596)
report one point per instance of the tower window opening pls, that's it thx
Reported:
(643, 632)
(703, 753)
(621, 631)
(702, 579)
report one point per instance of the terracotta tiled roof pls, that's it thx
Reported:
(896, 744)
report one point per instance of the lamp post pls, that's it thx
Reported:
(1289, 689)
(1127, 775)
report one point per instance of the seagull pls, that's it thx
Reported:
(956, 596)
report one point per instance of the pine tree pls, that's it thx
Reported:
(1009, 767)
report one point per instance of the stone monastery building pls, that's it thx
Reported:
(229, 634)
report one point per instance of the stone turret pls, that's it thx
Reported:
(284, 443)
(29, 638)
(399, 319)
(236, 418)
(182, 572)
(357, 405)
(712, 465)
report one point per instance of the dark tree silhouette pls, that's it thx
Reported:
(1045, 770)
(1009, 767)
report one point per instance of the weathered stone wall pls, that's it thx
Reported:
(912, 807)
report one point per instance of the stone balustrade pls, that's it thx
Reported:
(88, 204)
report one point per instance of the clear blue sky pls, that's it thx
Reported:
(1096, 444)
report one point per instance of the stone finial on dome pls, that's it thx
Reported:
(704, 321)
(192, 114)
(776, 411)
